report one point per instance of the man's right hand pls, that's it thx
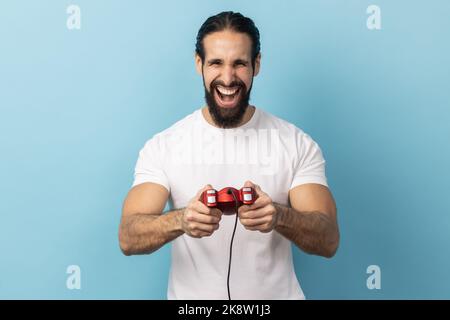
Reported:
(198, 220)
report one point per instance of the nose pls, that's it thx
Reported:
(228, 75)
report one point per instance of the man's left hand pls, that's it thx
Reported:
(261, 215)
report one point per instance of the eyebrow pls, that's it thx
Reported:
(243, 61)
(211, 61)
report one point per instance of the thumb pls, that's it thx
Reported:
(256, 187)
(199, 193)
(248, 183)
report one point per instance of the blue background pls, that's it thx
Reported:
(77, 106)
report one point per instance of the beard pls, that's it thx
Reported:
(231, 116)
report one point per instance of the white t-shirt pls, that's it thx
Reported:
(268, 151)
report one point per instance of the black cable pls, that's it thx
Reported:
(229, 191)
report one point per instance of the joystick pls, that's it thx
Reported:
(228, 198)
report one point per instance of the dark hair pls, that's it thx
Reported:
(228, 20)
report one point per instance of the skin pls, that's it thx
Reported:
(310, 221)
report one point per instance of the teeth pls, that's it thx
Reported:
(226, 91)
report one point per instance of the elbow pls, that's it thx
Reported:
(330, 252)
(126, 251)
(124, 245)
(331, 247)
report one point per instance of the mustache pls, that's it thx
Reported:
(234, 83)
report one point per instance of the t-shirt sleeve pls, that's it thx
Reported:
(149, 166)
(310, 166)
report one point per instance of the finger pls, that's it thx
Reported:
(195, 226)
(264, 228)
(255, 222)
(199, 207)
(261, 197)
(198, 196)
(216, 212)
(204, 209)
(204, 218)
(249, 184)
(256, 187)
(259, 203)
(200, 234)
(253, 214)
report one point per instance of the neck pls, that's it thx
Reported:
(246, 118)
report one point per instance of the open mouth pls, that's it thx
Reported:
(227, 97)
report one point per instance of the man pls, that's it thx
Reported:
(229, 143)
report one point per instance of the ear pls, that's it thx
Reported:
(257, 64)
(198, 64)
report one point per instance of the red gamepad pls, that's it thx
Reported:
(224, 199)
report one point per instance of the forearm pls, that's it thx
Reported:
(146, 233)
(313, 232)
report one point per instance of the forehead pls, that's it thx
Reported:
(227, 44)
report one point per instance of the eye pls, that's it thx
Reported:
(241, 63)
